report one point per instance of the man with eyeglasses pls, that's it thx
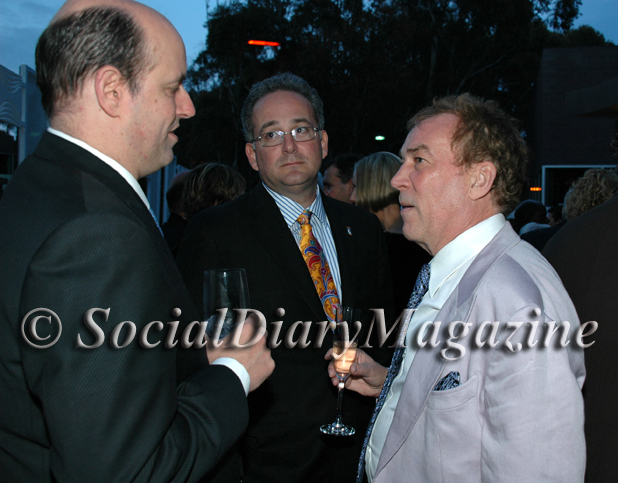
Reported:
(283, 122)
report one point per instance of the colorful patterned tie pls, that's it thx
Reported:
(420, 287)
(318, 266)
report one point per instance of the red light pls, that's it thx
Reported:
(263, 43)
(535, 188)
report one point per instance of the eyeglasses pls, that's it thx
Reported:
(300, 134)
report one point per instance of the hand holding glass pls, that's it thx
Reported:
(344, 354)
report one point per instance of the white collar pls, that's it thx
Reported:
(464, 247)
(291, 210)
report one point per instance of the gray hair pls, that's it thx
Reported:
(285, 81)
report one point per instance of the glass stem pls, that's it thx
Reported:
(340, 389)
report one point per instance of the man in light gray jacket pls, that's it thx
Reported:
(488, 386)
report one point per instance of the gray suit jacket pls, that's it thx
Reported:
(516, 416)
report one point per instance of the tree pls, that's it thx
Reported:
(374, 62)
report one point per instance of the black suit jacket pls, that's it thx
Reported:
(173, 230)
(584, 254)
(283, 442)
(76, 236)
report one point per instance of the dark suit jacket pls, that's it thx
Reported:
(283, 442)
(76, 236)
(584, 255)
(406, 259)
(173, 230)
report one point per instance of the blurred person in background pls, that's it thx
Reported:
(554, 215)
(530, 215)
(211, 184)
(373, 192)
(337, 182)
(594, 188)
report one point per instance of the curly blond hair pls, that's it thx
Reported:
(595, 187)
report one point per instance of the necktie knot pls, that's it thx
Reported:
(304, 218)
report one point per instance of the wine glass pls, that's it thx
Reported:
(224, 290)
(344, 354)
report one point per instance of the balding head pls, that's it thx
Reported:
(145, 16)
(73, 6)
(111, 74)
(86, 35)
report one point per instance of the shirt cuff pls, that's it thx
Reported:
(238, 369)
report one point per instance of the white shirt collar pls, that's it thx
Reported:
(122, 171)
(464, 247)
(291, 210)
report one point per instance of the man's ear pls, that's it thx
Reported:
(111, 89)
(349, 187)
(482, 176)
(324, 143)
(251, 156)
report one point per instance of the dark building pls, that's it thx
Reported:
(573, 117)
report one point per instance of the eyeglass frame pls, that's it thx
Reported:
(283, 133)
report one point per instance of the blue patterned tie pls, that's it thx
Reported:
(422, 283)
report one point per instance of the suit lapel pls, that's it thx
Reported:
(420, 381)
(428, 365)
(277, 241)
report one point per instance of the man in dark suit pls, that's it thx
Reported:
(584, 255)
(87, 355)
(338, 174)
(260, 232)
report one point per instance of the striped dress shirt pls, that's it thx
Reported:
(319, 225)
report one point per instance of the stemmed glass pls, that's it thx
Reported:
(344, 354)
(224, 290)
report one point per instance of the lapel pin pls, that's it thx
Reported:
(349, 230)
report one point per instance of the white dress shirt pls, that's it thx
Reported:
(448, 267)
(233, 364)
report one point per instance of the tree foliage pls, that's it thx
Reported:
(374, 63)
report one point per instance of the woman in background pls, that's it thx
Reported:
(210, 184)
(594, 188)
(207, 185)
(373, 192)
